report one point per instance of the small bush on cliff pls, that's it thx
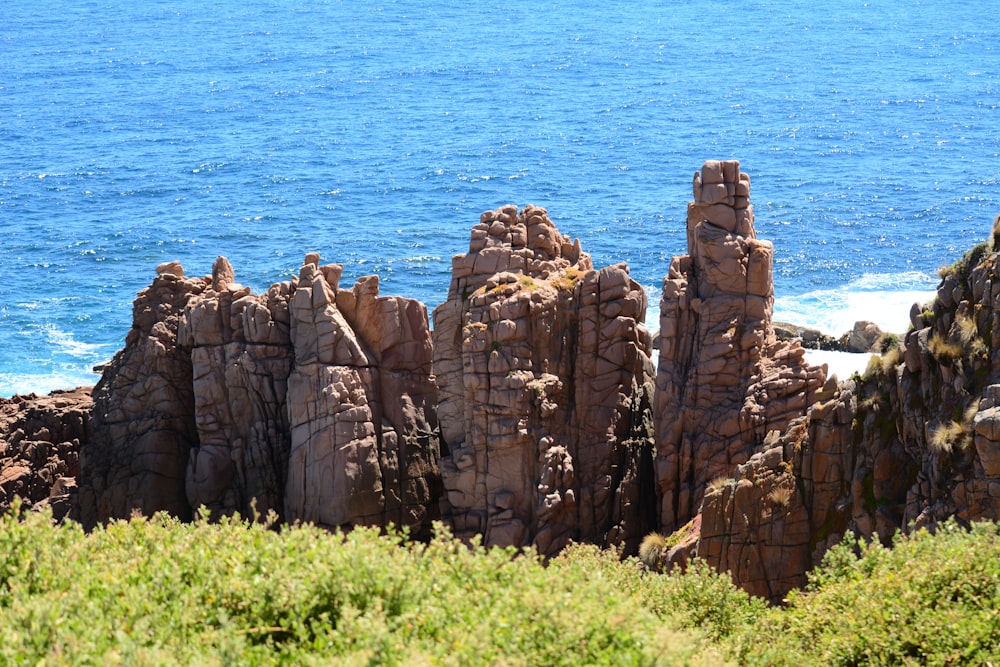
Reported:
(968, 261)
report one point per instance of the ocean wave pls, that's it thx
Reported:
(65, 343)
(44, 383)
(884, 299)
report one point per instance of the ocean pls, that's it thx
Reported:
(377, 132)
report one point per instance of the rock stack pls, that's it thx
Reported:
(364, 444)
(723, 379)
(544, 374)
(311, 402)
(241, 355)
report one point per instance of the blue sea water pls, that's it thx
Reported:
(135, 133)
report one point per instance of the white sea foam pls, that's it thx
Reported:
(880, 298)
(884, 299)
(65, 343)
(841, 364)
(41, 384)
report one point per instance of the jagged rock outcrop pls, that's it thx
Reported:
(723, 379)
(241, 356)
(543, 368)
(310, 401)
(143, 424)
(361, 398)
(911, 444)
(40, 440)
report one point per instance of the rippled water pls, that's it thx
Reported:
(135, 133)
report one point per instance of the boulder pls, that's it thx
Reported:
(40, 440)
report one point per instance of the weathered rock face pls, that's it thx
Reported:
(544, 374)
(723, 379)
(143, 426)
(39, 449)
(310, 401)
(781, 510)
(913, 443)
(364, 446)
(241, 355)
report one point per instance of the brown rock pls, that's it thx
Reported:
(309, 401)
(544, 375)
(723, 379)
(143, 425)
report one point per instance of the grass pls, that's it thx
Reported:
(719, 483)
(944, 351)
(968, 335)
(780, 496)
(949, 436)
(156, 591)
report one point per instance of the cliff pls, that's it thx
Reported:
(544, 370)
(911, 443)
(532, 415)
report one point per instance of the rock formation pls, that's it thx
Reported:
(544, 375)
(143, 424)
(913, 442)
(39, 449)
(241, 355)
(361, 398)
(309, 401)
(723, 379)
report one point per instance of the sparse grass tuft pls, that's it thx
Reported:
(949, 436)
(968, 335)
(886, 343)
(943, 351)
(652, 548)
(780, 496)
(719, 482)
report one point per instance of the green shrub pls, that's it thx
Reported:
(162, 592)
(157, 591)
(930, 600)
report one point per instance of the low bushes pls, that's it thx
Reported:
(157, 591)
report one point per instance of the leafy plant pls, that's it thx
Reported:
(932, 599)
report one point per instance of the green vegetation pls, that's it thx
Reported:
(157, 591)
(930, 600)
(972, 257)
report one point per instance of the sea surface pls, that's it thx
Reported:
(133, 133)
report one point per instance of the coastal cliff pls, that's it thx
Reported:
(546, 383)
(532, 414)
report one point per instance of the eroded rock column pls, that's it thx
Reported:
(241, 356)
(723, 380)
(364, 448)
(545, 382)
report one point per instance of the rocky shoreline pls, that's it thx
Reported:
(533, 414)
